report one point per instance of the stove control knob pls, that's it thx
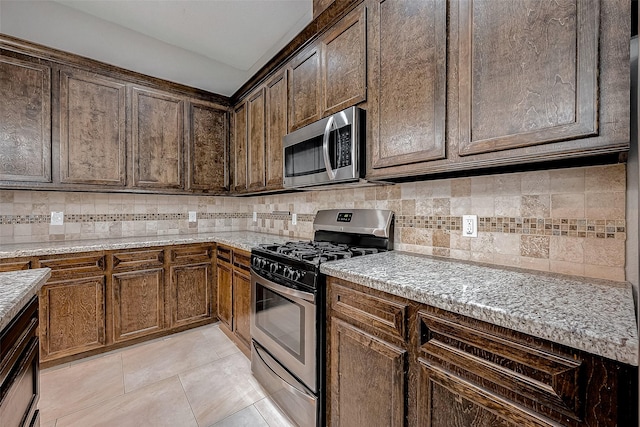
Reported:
(273, 266)
(287, 272)
(295, 275)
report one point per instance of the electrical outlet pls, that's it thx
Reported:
(470, 225)
(57, 218)
(193, 216)
(255, 217)
(294, 219)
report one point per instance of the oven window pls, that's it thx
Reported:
(281, 319)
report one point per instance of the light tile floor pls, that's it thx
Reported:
(194, 378)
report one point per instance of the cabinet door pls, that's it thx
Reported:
(208, 167)
(304, 88)
(242, 305)
(240, 148)
(256, 129)
(190, 293)
(138, 303)
(157, 137)
(92, 129)
(370, 393)
(407, 55)
(72, 317)
(344, 63)
(447, 401)
(276, 121)
(25, 108)
(528, 73)
(224, 280)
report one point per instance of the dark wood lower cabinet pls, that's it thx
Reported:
(393, 361)
(190, 289)
(19, 369)
(242, 305)
(365, 368)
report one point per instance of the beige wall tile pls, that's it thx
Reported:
(484, 243)
(603, 272)
(567, 205)
(460, 205)
(508, 184)
(442, 206)
(441, 239)
(569, 249)
(408, 207)
(609, 205)
(506, 244)
(567, 180)
(605, 252)
(539, 264)
(507, 260)
(424, 206)
(507, 206)
(535, 182)
(388, 192)
(566, 267)
(482, 206)
(606, 178)
(534, 246)
(457, 241)
(461, 187)
(460, 254)
(536, 206)
(482, 186)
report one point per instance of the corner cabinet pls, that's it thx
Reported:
(25, 102)
(476, 84)
(431, 367)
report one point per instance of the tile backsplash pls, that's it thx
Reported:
(568, 221)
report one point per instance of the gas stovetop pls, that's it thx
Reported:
(318, 252)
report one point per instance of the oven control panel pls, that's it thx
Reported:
(268, 267)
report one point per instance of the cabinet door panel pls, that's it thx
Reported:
(190, 293)
(528, 73)
(304, 81)
(370, 393)
(242, 306)
(92, 129)
(25, 131)
(344, 63)
(72, 318)
(240, 148)
(157, 136)
(138, 303)
(447, 401)
(208, 148)
(276, 121)
(225, 293)
(256, 128)
(408, 93)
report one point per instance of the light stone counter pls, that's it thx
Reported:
(244, 240)
(16, 290)
(587, 314)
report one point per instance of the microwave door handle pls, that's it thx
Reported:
(325, 149)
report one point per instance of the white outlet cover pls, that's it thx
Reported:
(57, 218)
(294, 219)
(470, 225)
(255, 217)
(193, 216)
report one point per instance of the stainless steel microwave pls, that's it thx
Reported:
(328, 151)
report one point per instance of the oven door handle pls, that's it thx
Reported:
(325, 149)
(307, 296)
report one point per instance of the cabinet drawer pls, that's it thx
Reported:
(242, 260)
(224, 254)
(138, 260)
(478, 353)
(15, 338)
(191, 254)
(77, 265)
(385, 316)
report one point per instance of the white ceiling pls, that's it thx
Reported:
(216, 45)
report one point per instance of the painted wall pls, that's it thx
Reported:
(569, 221)
(633, 179)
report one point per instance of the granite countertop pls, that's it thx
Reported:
(16, 290)
(244, 240)
(593, 315)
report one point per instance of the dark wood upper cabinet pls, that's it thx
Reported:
(92, 129)
(304, 88)
(256, 141)
(240, 148)
(276, 127)
(528, 73)
(344, 63)
(407, 61)
(25, 111)
(157, 139)
(207, 144)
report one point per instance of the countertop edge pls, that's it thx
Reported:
(34, 280)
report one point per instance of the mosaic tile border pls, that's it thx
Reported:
(571, 227)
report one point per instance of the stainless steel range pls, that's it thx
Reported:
(288, 306)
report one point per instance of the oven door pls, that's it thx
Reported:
(283, 322)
